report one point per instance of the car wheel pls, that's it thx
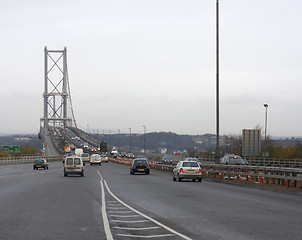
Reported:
(199, 180)
(148, 173)
(90, 164)
(174, 179)
(34, 168)
(82, 175)
(65, 174)
(179, 179)
(194, 180)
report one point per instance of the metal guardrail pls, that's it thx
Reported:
(27, 159)
(275, 177)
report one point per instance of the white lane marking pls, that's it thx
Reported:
(125, 216)
(145, 216)
(120, 212)
(141, 236)
(100, 175)
(137, 229)
(104, 214)
(138, 221)
(117, 208)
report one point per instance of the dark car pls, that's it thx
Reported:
(167, 159)
(123, 154)
(40, 163)
(140, 165)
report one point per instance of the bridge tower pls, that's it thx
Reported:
(56, 89)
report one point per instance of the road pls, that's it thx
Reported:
(42, 204)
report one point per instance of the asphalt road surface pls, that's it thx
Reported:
(109, 203)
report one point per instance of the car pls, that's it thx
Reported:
(140, 165)
(116, 155)
(130, 155)
(73, 165)
(104, 158)
(187, 170)
(123, 154)
(93, 149)
(233, 159)
(40, 163)
(85, 157)
(167, 159)
(95, 159)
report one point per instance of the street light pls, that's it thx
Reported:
(144, 139)
(119, 140)
(130, 139)
(265, 131)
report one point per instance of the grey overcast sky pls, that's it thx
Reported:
(152, 62)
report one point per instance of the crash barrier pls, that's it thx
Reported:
(27, 159)
(276, 177)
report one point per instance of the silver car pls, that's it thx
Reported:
(187, 170)
(233, 159)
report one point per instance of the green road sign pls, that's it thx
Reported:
(11, 148)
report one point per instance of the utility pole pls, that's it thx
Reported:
(217, 83)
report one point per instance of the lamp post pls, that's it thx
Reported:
(144, 139)
(265, 130)
(217, 82)
(119, 140)
(130, 139)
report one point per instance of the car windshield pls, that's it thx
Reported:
(85, 155)
(190, 164)
(39, 161)
(103, 156)
(192, 159)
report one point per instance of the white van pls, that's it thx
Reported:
(78, 151)
(73, 165)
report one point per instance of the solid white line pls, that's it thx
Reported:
(137, 229)
(100, 175)
(104, 214)
(141, 236)
(145, 216)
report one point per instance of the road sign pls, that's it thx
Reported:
(11, 148)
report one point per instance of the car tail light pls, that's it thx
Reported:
(43, 163)
(65, 166)
(147, 165)
(199, 171)
(181, 170)
(134, 166)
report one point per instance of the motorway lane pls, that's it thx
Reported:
(45, 205)
(42, 204)
(209, 210)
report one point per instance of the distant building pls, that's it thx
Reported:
(251, 142)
